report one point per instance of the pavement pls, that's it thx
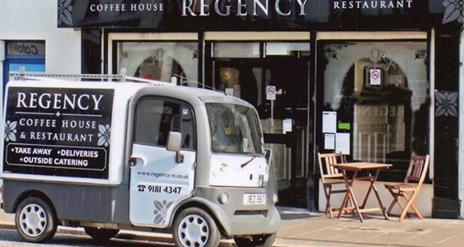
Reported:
(302, 228)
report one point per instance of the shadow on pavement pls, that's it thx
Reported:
(296, 214)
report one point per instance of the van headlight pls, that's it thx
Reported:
(223, 198)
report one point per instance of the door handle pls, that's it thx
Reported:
(134, 161)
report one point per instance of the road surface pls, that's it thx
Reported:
(9, 237)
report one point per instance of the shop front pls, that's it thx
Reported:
(369, 80)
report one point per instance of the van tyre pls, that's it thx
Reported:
(35, 220)
(194, 227)
(256, 241)
(101, 234)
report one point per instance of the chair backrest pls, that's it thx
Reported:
(417, 169)
(326, 162)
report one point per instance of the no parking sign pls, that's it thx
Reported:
(271, 92)
(375, 76)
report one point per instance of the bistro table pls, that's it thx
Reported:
(356, 167)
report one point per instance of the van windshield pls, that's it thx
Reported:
(234, 129)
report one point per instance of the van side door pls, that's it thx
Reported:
(157, 181)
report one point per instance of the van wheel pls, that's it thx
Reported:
(257, 241)
(101, 234)
(194, 227)
(35, 220)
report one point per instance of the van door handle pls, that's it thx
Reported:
(134, 161)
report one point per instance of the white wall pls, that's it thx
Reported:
(37, 20)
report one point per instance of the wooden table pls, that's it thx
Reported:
(356, 167)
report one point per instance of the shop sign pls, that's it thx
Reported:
(229, 91)
(25, 48)
(65, 132)
(200, 15)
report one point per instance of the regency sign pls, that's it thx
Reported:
(242, 7)
(198, 15)
(58, 131)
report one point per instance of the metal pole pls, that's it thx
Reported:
(272, 115)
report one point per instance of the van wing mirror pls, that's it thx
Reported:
(174, 144)
(174, 140)
(268, 155)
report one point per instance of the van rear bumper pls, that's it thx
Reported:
(236, 218)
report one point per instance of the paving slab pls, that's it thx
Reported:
(377, 231)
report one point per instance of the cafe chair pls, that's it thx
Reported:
(331, 176)
(409, 189)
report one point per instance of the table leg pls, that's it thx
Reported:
(349, 194)
(384, 212)
(345, 198)
(368, 190)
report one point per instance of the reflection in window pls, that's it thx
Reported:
(155, 118)
(287, 49)
(236, 50)
(234, 129)
(160, 60)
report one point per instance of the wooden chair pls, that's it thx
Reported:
(331, 176)
(412, 183)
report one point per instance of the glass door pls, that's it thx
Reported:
(284, 120)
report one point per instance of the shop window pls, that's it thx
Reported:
(160, 60)
(380, 93)
(287, 49)
(237, 50)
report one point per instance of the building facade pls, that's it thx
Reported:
(375, 79)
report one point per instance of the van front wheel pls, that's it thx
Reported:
(194, 227)
(35, 220)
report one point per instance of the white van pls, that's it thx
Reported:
(146, 156)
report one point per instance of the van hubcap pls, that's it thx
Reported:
(193, 231)
(32, 220)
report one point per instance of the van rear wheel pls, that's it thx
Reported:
(35, 220)
(101, 234)
(194, 227)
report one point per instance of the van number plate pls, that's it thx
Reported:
(254, 199)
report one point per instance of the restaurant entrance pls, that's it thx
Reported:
(285, 119)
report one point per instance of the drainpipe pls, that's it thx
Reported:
(2, 59)
(461, 124)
